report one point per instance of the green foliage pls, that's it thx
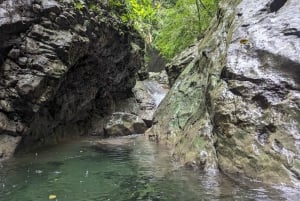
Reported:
(79, 4)
(182, 24)
(143, 15)
(116, 4)
(167, 25)
(142, 10)
(94, 7)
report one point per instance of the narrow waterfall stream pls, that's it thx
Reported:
(120, 169)
(157, 92)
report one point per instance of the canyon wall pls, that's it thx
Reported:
(235, 107)
(61, 63)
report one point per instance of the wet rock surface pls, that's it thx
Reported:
(8, 144)
(59, 64)
(149, 95)
(121, 124)
(160, 77)
(176, 66)
(237, 107)
(262, 83)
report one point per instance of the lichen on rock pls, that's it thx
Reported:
(238, 104)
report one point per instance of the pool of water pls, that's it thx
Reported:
(122, 169)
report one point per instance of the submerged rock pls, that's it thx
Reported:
(121, 124)
(8, 144)
(60, 64)
(236, 107)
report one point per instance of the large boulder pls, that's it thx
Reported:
(121, 124)
(236, 108)
(60, 63)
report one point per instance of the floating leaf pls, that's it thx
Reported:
(52, 197)
(244, 41)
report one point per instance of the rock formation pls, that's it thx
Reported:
(122, 123)
(237, 106)
(180, 61)
(60, 63)
(149, 94)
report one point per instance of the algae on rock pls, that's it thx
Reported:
(236, 108)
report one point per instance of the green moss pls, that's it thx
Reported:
(296, 164)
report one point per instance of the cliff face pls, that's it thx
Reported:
(59, 64)
(236, 106)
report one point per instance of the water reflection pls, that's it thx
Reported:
(121, 169)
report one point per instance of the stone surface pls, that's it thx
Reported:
(59, 64)
(180, 61)
(156, 63)
(236, 107)
(160, 77)
(111, 105)
(121, 124)
(148, 95)
(8, 145)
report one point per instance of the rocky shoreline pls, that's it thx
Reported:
(233, 105)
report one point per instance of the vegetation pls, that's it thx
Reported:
(167, 25)
(182, 24)
(170, 25)
(144, 15)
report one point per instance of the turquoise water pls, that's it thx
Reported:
(123, 169)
